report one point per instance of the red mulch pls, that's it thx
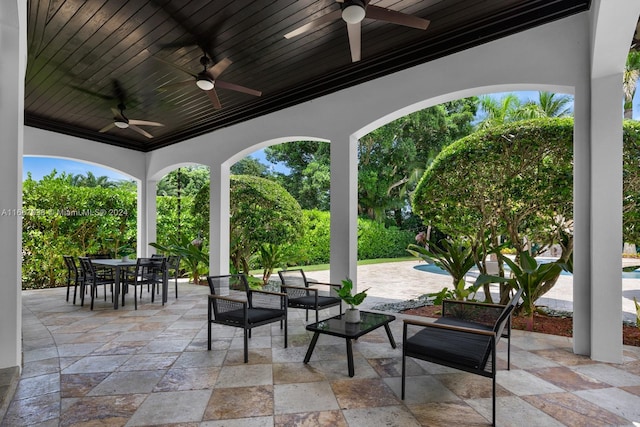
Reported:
(562, 326)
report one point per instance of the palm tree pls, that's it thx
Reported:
(630, 81)
(90, 180)
(499, 111)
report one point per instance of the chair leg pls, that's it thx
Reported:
(246, 346)
(403, 376)
(176, 288)
(68, 286)
(209, 327)
(94, 291)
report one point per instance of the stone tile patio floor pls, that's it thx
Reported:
(152, 367)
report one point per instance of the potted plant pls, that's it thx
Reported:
(352, 314)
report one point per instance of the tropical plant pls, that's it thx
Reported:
(192, 253)
(344, 293)
(534, 279)
(635, 302)
(457, 259)
(271, 257)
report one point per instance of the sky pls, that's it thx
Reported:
(41, 166)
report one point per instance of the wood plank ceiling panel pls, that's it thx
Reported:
(85, 55)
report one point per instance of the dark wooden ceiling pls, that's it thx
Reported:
(79, 51)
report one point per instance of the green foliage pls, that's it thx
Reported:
(455, 258)
(62, 219)
(314, 244)
(250, 166)
(631, 181)
(344, 293)
(514, 181)
(377, 241)
(393, 157)
(262, 212)
(192, 253)
(183, 181)
(271, 257)
(528, 275)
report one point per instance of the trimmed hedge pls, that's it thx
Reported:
(374, 240)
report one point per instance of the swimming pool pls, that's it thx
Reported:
(432, 268)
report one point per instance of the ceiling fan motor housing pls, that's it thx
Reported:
(353, 11)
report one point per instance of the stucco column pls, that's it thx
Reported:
(582, 221)
(12, 71)
(219, 221)
(606, 218)
(344, 209)
(147, 217)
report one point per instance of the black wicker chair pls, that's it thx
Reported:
(148, 271)
(74, 276)
(464, 338)
(94, 278)
(301, 295)
(259, 308)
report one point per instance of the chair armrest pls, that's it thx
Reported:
(472, 303)
(280, 294)
(408, 322)
(335, 285)
(267, 299)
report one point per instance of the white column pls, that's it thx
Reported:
(219, 221)
(147, 216)
(606, 218)
(344, 209)
(582, 221)
(12, 71)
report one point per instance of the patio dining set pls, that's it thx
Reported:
(464, 338)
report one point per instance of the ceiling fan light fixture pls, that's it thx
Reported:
(353, 11)
(121, 123)
(204, 83)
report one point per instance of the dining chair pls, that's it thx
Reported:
(94, 279)
(147, 272)
(259, 308)
(74, 276)
(302, 295)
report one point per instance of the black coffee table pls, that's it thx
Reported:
(337, 327)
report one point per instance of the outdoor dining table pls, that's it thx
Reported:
(116, 264)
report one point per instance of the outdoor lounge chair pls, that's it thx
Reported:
(259, 308)
(301, 295)
(464, 338)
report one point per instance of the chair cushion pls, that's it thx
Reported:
(310, 301)
(451, 346)
(256, 315)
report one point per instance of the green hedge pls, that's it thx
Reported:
(374, 240)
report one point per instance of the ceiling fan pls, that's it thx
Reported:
(207, 79)
(353, 12)
(122, 122)
(119, 119)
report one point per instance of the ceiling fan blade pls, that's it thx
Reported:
(107, 127)
(178, 84)
(324, 19)
(213, 96)
(144, 123)
(219, 68)
(354, 41)
(184, 70)
(237, 88)
(140, 131)
(387, 15)
(92, 93)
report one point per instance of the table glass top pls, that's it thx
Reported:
(338, 327)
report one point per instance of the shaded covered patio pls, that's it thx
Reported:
(151, 367)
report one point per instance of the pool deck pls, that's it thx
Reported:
(399, 281)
